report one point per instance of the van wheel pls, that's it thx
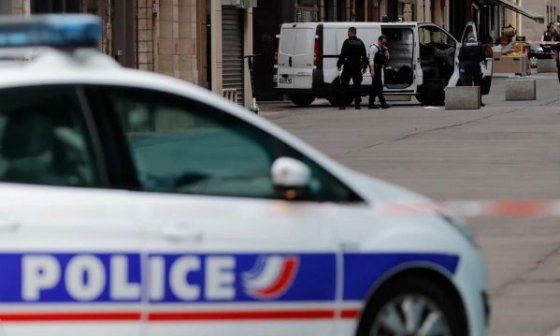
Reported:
(333, 100)
(432, 97)
(412, 306)
(302, 100)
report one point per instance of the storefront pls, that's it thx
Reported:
(494, 15)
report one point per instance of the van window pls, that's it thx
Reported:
(433, 35)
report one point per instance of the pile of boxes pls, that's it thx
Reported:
(512, 59)
(511, 64)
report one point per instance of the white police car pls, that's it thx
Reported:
(136, 204)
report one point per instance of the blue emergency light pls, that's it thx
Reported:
(57, 30)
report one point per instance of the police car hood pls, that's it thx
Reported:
(377, 191)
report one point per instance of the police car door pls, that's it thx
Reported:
(225, 254)
(69, 250)
(487, 66)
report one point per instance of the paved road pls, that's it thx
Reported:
(507, 150)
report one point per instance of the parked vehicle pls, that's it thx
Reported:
(539, 51)
(137, 204)
(423, 60)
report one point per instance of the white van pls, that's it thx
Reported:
(424, 60)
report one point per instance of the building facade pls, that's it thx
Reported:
(526, 16)
(202, 42)
(551, 12)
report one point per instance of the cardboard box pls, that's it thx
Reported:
(511, 64)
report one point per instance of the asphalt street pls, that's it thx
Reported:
(506, 150)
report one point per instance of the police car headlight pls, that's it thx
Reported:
(461, 227)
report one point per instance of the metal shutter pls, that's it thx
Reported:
(232, 50)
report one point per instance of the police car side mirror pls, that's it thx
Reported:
(291, 178)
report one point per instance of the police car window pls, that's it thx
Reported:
(43, 138)
(180, 146)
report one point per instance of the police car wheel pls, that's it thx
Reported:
(411, 307)
(302, 100)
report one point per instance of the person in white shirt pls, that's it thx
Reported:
(378, 57)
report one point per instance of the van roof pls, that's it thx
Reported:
(346, 24)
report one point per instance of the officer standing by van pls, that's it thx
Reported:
(378, 57)
(354, 59)
(471, 55)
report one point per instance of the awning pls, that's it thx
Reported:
(519, 10)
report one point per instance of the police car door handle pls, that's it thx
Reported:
(182, 232)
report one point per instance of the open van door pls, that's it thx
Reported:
(487, 65)
(402, 73)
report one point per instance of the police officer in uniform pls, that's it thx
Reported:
(550, 34)
(354, 59)
(378, 57)
(471, 55)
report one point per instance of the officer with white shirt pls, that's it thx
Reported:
(378, 57)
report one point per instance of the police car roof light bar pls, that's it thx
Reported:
(64, 31)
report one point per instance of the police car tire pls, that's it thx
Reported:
(302, 100)
(414, 286)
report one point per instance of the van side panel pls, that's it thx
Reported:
(332, 44)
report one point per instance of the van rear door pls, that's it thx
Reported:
(285, 53)
(402, 73)
(296, 57)
(304, 57)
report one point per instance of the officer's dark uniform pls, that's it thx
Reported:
(548, 36)
(379, 62)
(353, 57)
(471, 55)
